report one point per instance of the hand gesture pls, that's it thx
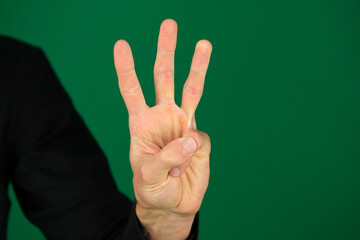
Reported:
(169, 157)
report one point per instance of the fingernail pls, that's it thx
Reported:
(189, 145)
(175, 172)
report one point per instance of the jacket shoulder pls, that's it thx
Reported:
(12, 49)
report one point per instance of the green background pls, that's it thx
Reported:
(281, 102)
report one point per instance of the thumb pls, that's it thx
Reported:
(177, 152)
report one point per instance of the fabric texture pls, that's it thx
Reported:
(60, 175)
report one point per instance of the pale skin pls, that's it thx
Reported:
(169, 181)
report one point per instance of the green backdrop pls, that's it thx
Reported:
(281, 102)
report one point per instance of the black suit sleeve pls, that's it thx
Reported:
(61, 177)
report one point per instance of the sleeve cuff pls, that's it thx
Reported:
(133, 230)
(194, 233)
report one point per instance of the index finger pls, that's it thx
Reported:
(129, 85)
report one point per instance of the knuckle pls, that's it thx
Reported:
(128, 70)
(166, 159)
(205, 139)
(163, 158)
(168, 102)
(164, 73)
(193, 91)
(130, 90)
(199, 70)
(205, 136)
(145, 173)
(208, 142)
(173, 157)
(165, 50)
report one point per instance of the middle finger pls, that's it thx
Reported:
(164, 64)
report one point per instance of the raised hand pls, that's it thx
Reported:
(168, 155)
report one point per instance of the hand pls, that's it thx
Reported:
(169, 156)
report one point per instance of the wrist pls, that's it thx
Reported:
(161, 224)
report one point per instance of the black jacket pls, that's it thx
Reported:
(60, 175)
